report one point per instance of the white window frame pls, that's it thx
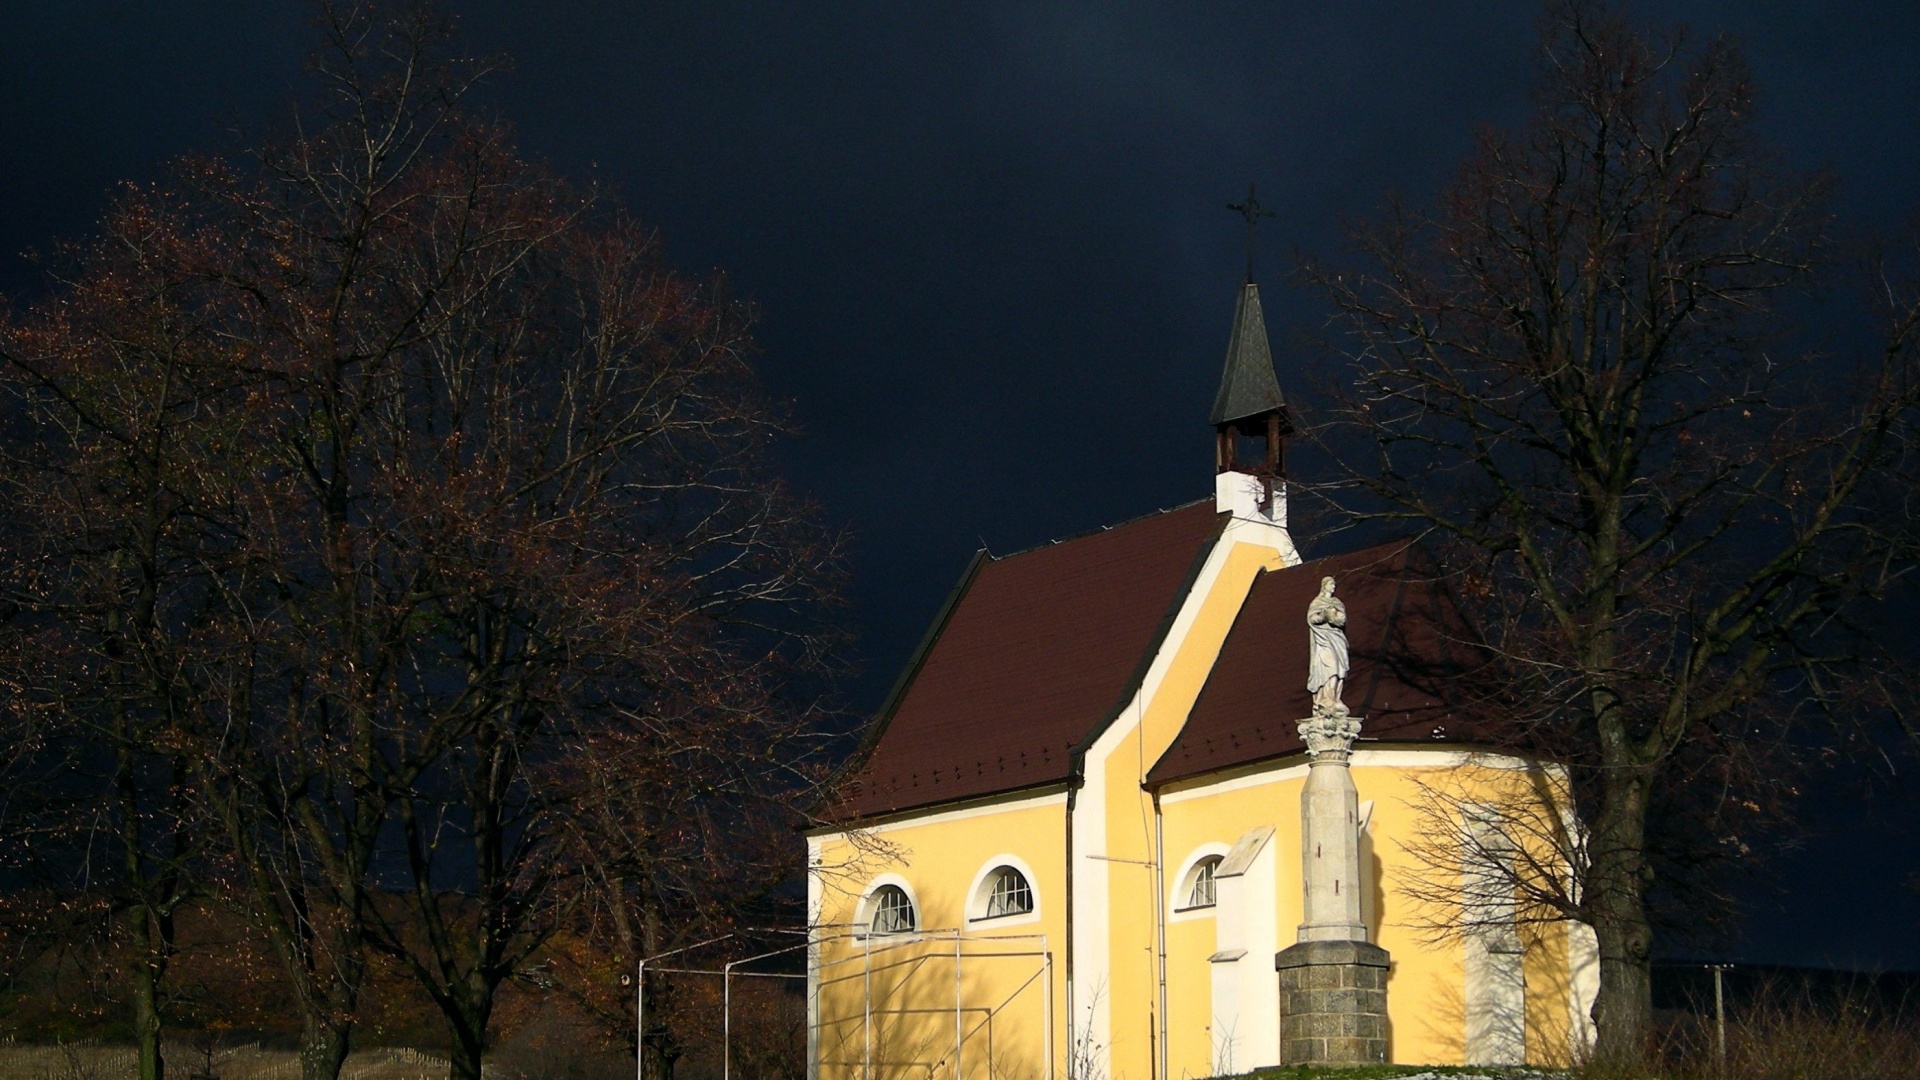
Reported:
(1182, 884)
(864, 910)
(981, 891)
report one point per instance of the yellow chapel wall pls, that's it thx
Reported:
(1425, 990)
(941, 856)
(1004, 965)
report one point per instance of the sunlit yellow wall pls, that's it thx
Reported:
(1221, 819)
(1173, 696)
(939, 861)
(1549, 997)
(942, 858)
(1425, 993)
(1133, 991)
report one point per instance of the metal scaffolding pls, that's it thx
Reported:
(911, 953)
(915, 952)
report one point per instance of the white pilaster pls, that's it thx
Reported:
(1246, 996)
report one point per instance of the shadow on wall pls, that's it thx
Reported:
(1497, 1028)
(1373, 901)
(1491, 868)
(900, 1007)
(1444, 1020)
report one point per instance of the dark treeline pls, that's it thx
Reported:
(398, 596)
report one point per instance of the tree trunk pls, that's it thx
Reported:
(1623, 1009)
(323, 1049)
(465, 1059)
(663, 1052)
(1616, 886)
(467, 1030)
(147, 973)
(152, 926)
(661, 1049)
(327, 1027)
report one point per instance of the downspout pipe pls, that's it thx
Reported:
(1160, 922)
(1073, 793)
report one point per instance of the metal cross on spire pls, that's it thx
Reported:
(1253, 212)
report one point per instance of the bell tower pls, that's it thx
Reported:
(1249, 419)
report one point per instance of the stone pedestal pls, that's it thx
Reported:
(1333, 1003)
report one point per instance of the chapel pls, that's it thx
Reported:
(1159, 801)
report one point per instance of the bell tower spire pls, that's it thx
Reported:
(1250, 479)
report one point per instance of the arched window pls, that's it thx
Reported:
(892, 911)
(1003, 892)
(1199, 892)
(1008, 893)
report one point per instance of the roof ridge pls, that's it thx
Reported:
(1084, 533)
(1404, 542)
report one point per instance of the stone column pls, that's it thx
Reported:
(1333, 983)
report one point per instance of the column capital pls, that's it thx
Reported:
(1329, 734)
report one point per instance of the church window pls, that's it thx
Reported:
(892, 911)
(1200, 892)
(1010, 894)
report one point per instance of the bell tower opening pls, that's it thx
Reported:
(1255, 445)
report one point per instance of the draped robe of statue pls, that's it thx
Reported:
(1327, 651)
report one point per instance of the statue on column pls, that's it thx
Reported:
(1327, 652)
(1333, 979)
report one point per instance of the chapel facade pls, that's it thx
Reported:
(1105, 830)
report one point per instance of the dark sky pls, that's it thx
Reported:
(989, 242)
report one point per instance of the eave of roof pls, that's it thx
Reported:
(920, 813)
(1298, 756)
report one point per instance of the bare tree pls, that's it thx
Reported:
(1666, 526)
(475, 556)
(109, 563)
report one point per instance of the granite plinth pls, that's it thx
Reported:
(1333, 1003)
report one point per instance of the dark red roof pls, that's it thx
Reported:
(1037, 652)
(1403, 648)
